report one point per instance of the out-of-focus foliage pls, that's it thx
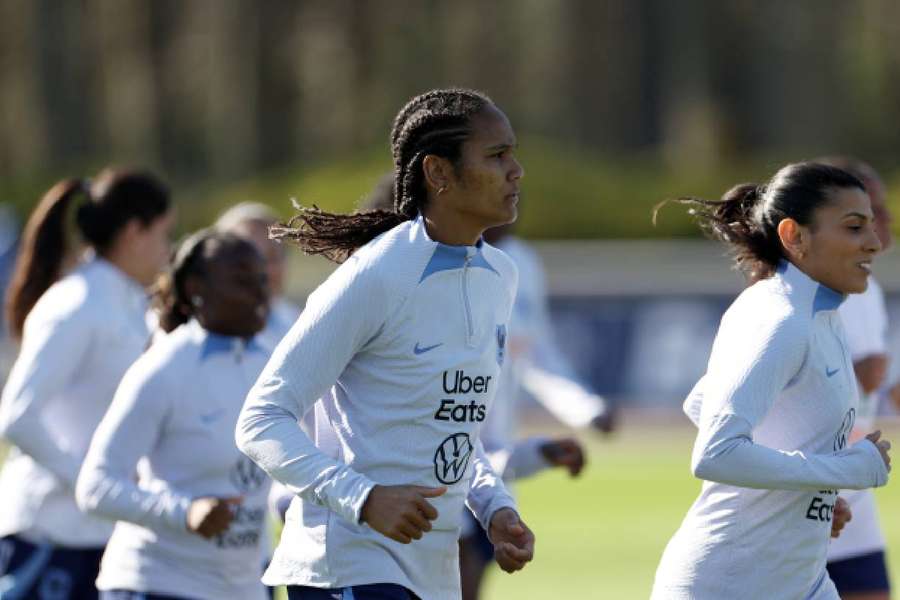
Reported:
(666, 97)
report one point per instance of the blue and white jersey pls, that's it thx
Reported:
(774, 413)
(172, 421)
(404, 345)
(79, 339)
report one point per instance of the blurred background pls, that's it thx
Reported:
(617, 105)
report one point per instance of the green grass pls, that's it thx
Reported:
(602, 535)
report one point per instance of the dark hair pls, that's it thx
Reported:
(107, 204)
(747, 216)
(190, 259)
(436, 123)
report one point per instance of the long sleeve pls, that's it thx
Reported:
(487, 494)
(546, 374)
(750, 365)
(131, 427)
(51, 355)
(523, 460)
(341, 318)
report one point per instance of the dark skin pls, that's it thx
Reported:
(463, 200)
(234, 302)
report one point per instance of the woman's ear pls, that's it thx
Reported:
(794, 238)
(438, 173)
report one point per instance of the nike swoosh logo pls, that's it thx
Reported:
(419, 350)
(829, 372)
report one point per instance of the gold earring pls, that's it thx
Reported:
(441, 190)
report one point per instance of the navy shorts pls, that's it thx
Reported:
(375, 591)
(132, 595)
(48, 572)
(479, 540)
(866, 573)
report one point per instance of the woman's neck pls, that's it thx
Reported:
(451, 228)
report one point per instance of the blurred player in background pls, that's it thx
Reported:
(534, 365)
(403, 344)
(251, 221)
(190, 527)
(79, 333)
(777, 404)
(856, 561)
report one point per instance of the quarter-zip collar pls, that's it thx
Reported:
(820, 297)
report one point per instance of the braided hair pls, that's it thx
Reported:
(746, 218)
(436, 123)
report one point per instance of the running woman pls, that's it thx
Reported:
(856, 561)
(778, 401)
(79, 333)
(190, 525)
(403, 344)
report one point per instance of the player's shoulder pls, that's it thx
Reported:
(505, 265)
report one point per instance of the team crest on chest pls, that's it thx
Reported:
(501, 344)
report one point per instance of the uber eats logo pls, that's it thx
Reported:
(462, 412)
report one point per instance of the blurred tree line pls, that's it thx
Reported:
(219, 90)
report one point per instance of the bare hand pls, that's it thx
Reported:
(566, 453)
(842, 516)
(401, 512)
(883, 447)
(513, 540)
(209, 516)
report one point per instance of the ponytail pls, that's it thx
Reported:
(41, 254)
(735, 220)
(747, 217)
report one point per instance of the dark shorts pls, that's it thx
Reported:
(866, 573)
(45, 572)
(376, 591)
(132, 595)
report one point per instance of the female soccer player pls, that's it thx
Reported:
(190, 526)
(778, 401)
(403, 344)
(79, 334)
(856, 561)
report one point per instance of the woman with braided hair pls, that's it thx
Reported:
(191, 525)
(79, 332)
(776, 406)
(403, 346)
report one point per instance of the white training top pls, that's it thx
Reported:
(172, 420)
(534, 366)
(403, 344)
(774, 413)
(79, 339)
(865, 320)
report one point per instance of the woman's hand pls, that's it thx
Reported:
(401, 512)
(209, 516)
(513, 540)
(566, 453)
(842, 515)
(883, 447)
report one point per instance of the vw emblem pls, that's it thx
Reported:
(452, 457)
(246, 476)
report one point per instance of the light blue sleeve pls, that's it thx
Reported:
(487, 494)
(131, 427)
(51, 354)
(341, 317)
(752, 362)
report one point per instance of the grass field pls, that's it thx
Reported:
(601, 536)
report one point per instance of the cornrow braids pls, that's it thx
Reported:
(435, 123)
